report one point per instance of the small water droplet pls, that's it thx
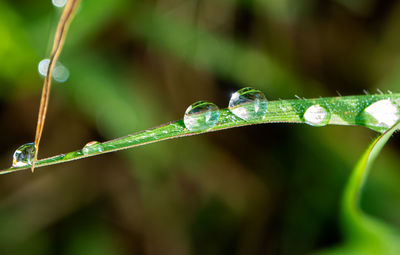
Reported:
(43, 66)
(317, 116)
(23, 156)
(59, 3)
(72, 154)
(385, 112)
(60, 72)
(248, 104)
(92, 147)
(201, 116)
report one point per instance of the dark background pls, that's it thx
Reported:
(266, 189)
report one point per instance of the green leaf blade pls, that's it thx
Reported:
(344, 111)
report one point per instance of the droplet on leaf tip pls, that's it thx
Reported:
(23, 156)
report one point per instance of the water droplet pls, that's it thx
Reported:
(60, 72)
(23, 156)
(92, 147)
(59, 3)
(248, 104)
(385, 112)
(43, 67)
(72, 155)
(317, 116)
(201, 116)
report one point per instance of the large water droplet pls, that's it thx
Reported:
(248, 104)
(59, 3)
(317, 116)
(384, 111)
(201, 116)
(60, 72)
(23, 156)
(92, 147)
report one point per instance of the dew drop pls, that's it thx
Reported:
(60, 72)
(59, 3)
(248, 104)
(23, 156)
(92, 147)
(201, 116)
(317, 116)
(385, 112)
(73, 154)
(43, 67)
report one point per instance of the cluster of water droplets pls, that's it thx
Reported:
(60, 72)
(250, 105)
(247, 103)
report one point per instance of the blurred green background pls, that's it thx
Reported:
(135, 64)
